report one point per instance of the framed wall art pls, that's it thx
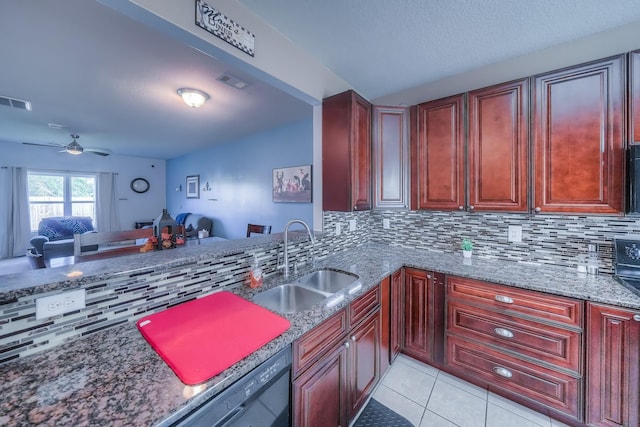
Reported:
(193, 187)
(292, 184)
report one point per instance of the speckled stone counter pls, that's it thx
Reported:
(115, 378)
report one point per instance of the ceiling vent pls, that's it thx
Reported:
(232, 81)
(15, 103)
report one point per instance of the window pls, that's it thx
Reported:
(61, 194)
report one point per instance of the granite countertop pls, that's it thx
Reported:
(115, 378)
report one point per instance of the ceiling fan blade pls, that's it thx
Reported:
(44, 145)
(98, 151)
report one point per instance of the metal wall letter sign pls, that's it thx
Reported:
(210, 19)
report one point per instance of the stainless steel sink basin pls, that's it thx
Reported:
(329, 281)
(288, 298)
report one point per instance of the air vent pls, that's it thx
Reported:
(15, 103)
(232, 81)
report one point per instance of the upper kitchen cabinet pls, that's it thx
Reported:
(390, 157)
(437, 154)
(346, 153)
(498, 147)
(634, 97)
(578, 138)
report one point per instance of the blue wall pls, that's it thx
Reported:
(239, 174)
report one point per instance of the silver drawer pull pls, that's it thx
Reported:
(636, 317)
(503, 372)
(503, 332)
(504, 299)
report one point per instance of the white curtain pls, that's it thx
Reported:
(107, 215)
(14, 212)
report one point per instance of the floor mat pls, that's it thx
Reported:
(375, 414)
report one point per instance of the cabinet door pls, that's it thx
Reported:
(385, 325)
(397, 319)
(437, 154)
(364, 367)
(578, 138)
(346, 153)
(634, 97)
(498, 147)
(613, 370)
(319, 394)
(390, 157)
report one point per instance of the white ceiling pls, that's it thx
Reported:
(113, 81)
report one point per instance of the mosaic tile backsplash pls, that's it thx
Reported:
(546, 239)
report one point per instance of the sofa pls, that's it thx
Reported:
(194, 223)
(55, 235)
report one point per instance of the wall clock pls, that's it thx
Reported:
(140, 185)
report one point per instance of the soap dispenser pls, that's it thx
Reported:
(255, 274)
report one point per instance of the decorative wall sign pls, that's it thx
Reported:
(193, 187)
(292, 184)
(210, 19)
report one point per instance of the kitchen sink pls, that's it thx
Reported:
(330, 281)
(289, 298)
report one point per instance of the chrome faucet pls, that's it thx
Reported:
(286, 243)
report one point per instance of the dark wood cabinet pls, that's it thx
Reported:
(634, 97)
(437, 154)
(525, 345)
(364, 363)
(613, 366)
(397, 310)
(390, 157)
(578, 138)
(386, 325)
(336, 365)
(424, 315)
(346, 153)
(498, 147)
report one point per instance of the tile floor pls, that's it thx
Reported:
(428, 397)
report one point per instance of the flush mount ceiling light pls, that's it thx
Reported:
(194, 98)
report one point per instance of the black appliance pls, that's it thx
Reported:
(627, 262)
(633, 178)
(260, 398)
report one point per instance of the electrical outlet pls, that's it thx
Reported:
(61, 303)
(386, 224)
(338, 229)
(515, 233)
(352, 225)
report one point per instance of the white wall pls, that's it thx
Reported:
(133, 206)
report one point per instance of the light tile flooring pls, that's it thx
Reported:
(428, 397)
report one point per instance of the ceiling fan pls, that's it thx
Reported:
(74, 147)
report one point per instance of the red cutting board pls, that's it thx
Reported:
(201, 338)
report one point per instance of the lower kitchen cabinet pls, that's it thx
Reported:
(613, 370)
(337, 364)
(424, 315)
(397, 309)
(385, 319)
(524, 345)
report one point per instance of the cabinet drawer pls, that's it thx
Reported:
(554, 345)
(530, 303)
(315, 343)
(512, 376)
(364, 305)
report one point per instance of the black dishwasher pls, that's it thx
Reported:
(259, 399)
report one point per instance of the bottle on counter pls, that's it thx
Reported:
(255, 274)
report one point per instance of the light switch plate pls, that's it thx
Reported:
(60, 303)
(515, 233)
(352, 225)
(386, 224)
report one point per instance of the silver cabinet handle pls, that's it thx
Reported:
(503, 372)
(461, 208)
(636, 317)
(504, 299)
(428, 276)
(346, 344)
(503, 332)
(537, 210)
(471, 207)
(353, 338)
